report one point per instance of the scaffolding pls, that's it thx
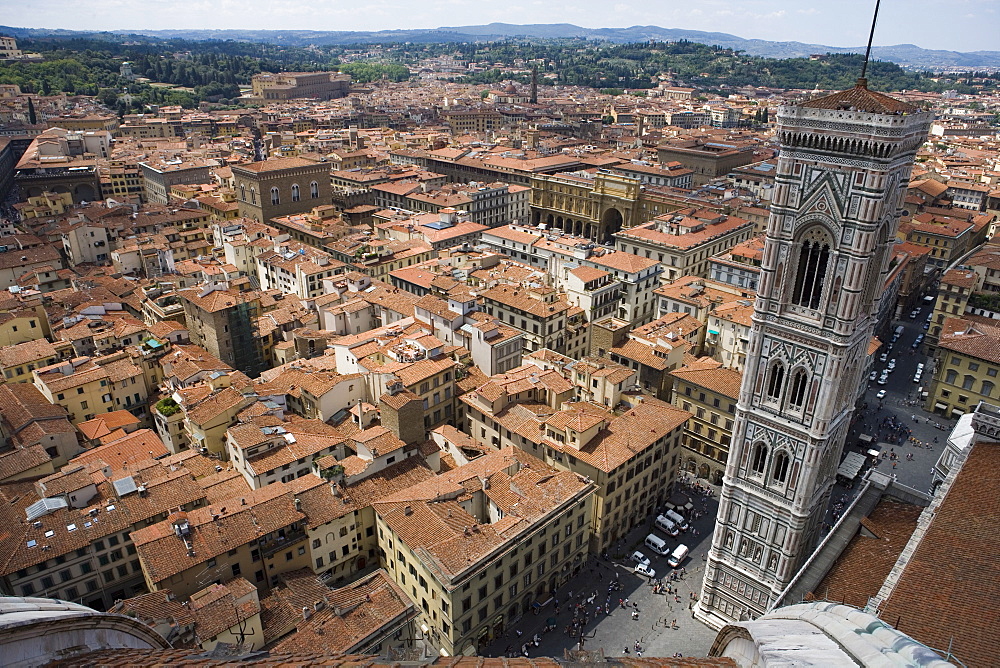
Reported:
(248, 353)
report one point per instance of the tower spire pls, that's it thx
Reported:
(862, 81)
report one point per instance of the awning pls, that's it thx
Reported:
(940, 405)
(865, 438)
(712, 331)
(851, 465)
(874, 453)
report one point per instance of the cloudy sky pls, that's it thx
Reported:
(961, 25)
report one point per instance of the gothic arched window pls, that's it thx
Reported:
(243, 192)
(759, 459)
(295, 192)
(814, 259)
(798, 393)
(775, 381)
(781, 467)
(275, 198)
(314, 189)
(253, 196)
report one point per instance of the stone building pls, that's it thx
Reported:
(291, 85)
(280, 187)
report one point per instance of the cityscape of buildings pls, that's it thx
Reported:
(395, 370)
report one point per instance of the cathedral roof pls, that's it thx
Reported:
(860, 98)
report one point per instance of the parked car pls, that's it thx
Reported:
(643, 569)
(927, 325)
(880, 394)
(640, 558)
(873, 375)
(891, 365)
(883, 379)
(884, 356)
(914, 314)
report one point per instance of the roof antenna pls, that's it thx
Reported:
(862, 81)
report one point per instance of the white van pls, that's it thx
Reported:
(677, 519)
(656, 544)
(664, 523)
(678, 556)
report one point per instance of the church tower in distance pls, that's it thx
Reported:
(842, 174)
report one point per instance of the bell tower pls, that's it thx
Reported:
(842, 173)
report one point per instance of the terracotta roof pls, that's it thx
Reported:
(353, 614)
(860, 98)
(266, 510)
(587, 274)
(217, 608)
(863, 566)
(19, 460)
(973, 336)
(936, 601)
(452, 537)
(275, 164)
(22, 403)
(29, 351)
(104, 424)
(624, 435)
(721, 380)
(140, 445)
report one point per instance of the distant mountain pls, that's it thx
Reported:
(902, 54)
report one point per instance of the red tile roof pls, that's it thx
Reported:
(946, 596)
(860, 98)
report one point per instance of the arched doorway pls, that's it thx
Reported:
(703, 471)
(611, 222)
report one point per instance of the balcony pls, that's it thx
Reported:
(275, 545)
